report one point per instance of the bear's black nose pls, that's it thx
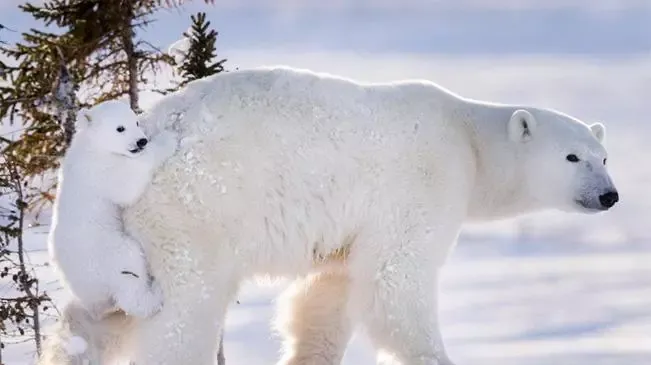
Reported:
(609, 199)
(142, 142)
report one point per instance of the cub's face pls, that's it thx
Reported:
(565, 162)
(114, 128)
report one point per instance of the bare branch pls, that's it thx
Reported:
(2, 26)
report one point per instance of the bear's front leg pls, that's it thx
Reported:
(403, 322)
(397, 292)
(188, 327)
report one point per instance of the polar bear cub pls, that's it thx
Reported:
(107, 167)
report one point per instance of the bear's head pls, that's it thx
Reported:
(563, 160)
(112, 126)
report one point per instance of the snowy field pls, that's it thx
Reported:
(546, 289)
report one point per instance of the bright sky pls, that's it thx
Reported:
(595, 28)
(452, 42)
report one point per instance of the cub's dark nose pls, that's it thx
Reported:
(142, 142)
(609, 199)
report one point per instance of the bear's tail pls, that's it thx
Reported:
(79, 339)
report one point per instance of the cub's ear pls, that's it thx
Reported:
(522, 126)
(599, 131)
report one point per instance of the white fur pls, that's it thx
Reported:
(359, 190)
(102, 172)
(78, 338)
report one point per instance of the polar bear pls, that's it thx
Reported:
(108, 165)
(357, 191)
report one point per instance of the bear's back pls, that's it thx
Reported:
(287, 99)
(262, 143)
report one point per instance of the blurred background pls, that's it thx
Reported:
(550, 288)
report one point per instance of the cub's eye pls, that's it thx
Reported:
(120, 129)
(572, 158)
(605, 160)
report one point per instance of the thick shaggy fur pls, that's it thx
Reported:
(359, 190)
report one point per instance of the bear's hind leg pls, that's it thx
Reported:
(314, 319)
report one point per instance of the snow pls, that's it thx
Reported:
(550, 288)
(76, 345)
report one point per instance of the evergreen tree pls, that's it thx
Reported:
(103, 35)
(197, 62)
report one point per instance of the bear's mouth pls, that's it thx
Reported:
(136, 150)
(589, 207)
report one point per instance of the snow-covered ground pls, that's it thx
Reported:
(546, 289)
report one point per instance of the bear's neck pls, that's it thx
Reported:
(500, 183)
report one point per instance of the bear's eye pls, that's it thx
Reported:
(605, 160)
(572, 158)
(120, 129)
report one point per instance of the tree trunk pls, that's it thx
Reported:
(221, 360)
(64, 100)
(132, 60)
(69, 126)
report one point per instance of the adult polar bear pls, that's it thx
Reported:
(358, 190)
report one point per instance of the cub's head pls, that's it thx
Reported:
(112, 127)
(563, 160)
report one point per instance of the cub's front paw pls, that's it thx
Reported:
(143, 300)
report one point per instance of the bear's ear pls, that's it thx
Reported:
(599, 131)
(521, 126)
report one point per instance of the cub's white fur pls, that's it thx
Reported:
(360, 190)
(106, 168)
